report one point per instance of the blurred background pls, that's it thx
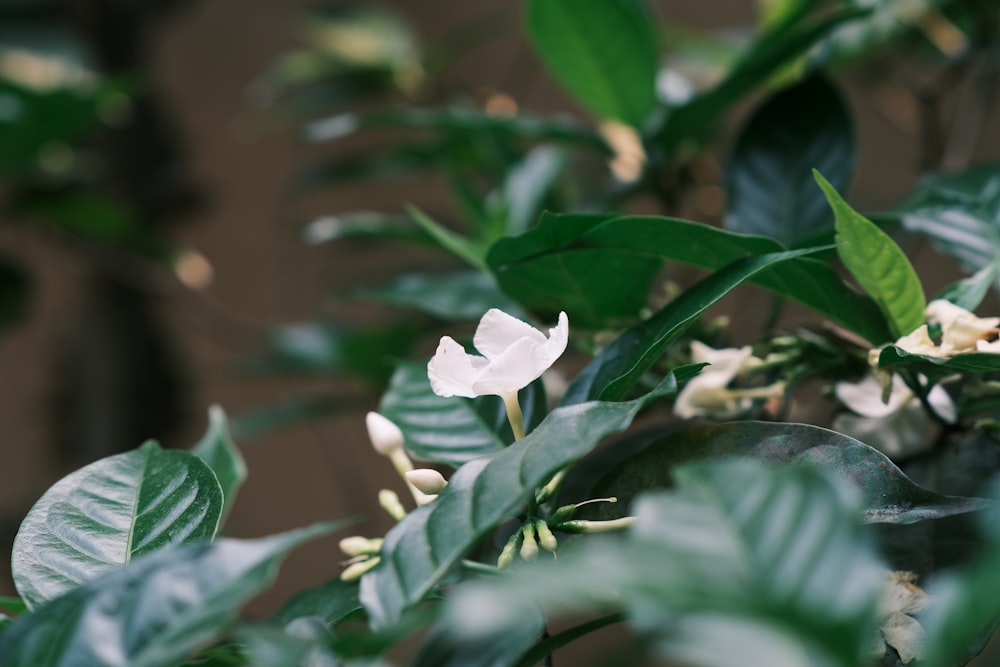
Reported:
(166, 232)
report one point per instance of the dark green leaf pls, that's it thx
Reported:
(422, 548)
(101, 517)
(879, 265)
(960, 212)
(975, 362)
(606, 56)
(277, 415)
(969, 292)
(620, 366)
(153, 613)
(887, 495)
(567, 260)
(526, 186)
(771, 191)
(303, 642)
(468, 250)
(879, 30)
(217, 449)
(463, 295)
(363, 224)
(333, 602)
(741, 564)
(443, 648)
(442, 430)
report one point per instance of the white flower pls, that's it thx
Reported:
(897, 427)
(961, 330)
(919, 342)
(707, 395)
(385, 436)
(900, 598)
(514, 355)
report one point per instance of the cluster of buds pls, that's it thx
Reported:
(362, 555)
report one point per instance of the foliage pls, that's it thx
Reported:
(743, 537)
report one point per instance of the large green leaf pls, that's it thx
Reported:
(879, 265)
(620, 366)
(421, 549)
(217, 449)
(975, 362)
(740, 564)
(606, 56)
(887, 495)
(568, 261)
(959, 211)
(457, 295)
(153, 613)
(333, 601)
(770, 187)
(99, 518)
(443, 648)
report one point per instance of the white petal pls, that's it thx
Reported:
(515, 369)
(452, 371)
(865, 397)
(943, 312)
(497, 331)
(427, 480)
(942, 404)
(986, 346)
(384, 435)
(919, 342)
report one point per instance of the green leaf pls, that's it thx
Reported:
(606, 56)
(461, 295)
(462, 247)
(959, 211)
(304, 642)
(974, 362)
(740, 564)
(155, 612)
(443, 648)
(622, 364)
(887, 495)
(334, 601)
(421, 549)
(277, 415)
(770, 187)
(576, 262)
(527, 184)
(217, 449)
(104, 515)
(969, 292)
(879, 265)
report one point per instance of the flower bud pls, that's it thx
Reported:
(583, 526)
(386, 438)
(356, 545)
(508, 551)
(356, 570)
(389, 501)
(427, 480)
(545, 536)
(529, 547)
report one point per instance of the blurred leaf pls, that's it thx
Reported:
(104, 515)
(606, 56)
(362, 224)
(277, 415)
(14, 606)
(329, 348)
(969, 292)
(461, 122)
(886, 494)
(440, 430)
(468, 250)
(444, 648)
(769, 53)
(420, 550)
(334, 601)
(959, 211)
(405, 159)
(739, 565)
(303, 642)
(888, 20)
(575, 263)
(879, 265)
(622, 364)
(155, 612)
(217, 449)
(15, 288)
(771, 191)
(464, 295)
(527, 184)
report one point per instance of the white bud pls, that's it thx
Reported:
(385, 436)
(356, 545)
(389, 501)
(355, 571)
(427, 480)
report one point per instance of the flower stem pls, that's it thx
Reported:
(514, 415)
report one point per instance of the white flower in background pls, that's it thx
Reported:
(919, 342)
(514, 355)
(900, 598)
(897, 427)
(961, 330)
(707, 394)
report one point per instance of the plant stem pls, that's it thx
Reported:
(514, 415)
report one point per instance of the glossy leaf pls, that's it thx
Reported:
(422, 548)
(527, 184)
(969, 292)
(155, 612)
(451, 430)
(959, 212)
(740, 563)
(606, 56)
(887, 495)
(463, 295)
(99, 518)
(576, 263)
(217, 449)
(333, 601)
(468, 250)
(879, 265)
(974, 362)
(770, 187)
(619, 367)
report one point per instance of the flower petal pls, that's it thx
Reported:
(919, 342)
(942, 404)
(516, 368)
(497, 331)
(452, 371)
(865, 397)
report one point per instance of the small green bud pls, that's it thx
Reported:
(545, 536)
(529, 547)
(564, 513)
(583, 526)
(508, 551)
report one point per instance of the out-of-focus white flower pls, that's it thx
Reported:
(707, 394)
(919, 342)
(961, 330)
(899, 426)
(900, 598)
(514, 354)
